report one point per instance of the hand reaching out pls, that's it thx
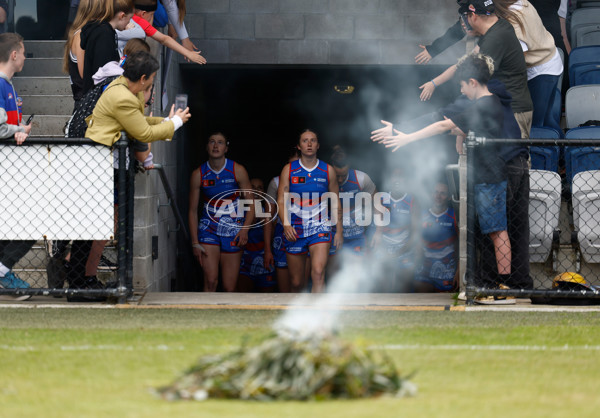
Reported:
(424, 56)
(380, 134)
(396, 141)
(427, 91)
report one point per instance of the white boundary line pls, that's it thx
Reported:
(529, 308)
(478, 347)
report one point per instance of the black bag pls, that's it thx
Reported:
(84, 107)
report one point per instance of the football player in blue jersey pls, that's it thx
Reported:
(439, 232)
(218, 238)
(308, 199)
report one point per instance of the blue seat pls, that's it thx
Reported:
(544, 158)
(578, 159)
(584, 65)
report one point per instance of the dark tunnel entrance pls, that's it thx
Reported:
(262, 109)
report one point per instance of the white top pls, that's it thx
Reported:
(562, 10)
(552, 67)
(173, 13)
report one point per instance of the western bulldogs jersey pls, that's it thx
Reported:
(439, 238)
(397, 232)
(10, 102)
(309, 215)
(219, 191)
(351, 212)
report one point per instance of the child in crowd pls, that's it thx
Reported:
(141, 26)
(98, 38)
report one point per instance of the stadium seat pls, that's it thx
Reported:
(586, 214)
(578, 159)
(544, 209)
(584, 65)
(585, 27)
(582, 103)
(544, 158)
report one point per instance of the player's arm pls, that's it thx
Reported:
(171, 43)
(401, 139)
(429, 87)
(243, 180)
(194, 198)
(282, 197)
(339, 221)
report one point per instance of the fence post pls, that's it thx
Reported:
(122, 242)
(471, 251)
(130, 202)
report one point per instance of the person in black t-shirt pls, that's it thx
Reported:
(485, 118)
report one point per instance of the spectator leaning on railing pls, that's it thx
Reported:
(12, 59)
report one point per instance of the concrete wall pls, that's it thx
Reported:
(318, 32)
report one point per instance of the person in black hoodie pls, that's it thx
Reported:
(99, 39)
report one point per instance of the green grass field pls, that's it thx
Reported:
(102, 362)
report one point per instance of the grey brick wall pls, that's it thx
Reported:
(352, 32)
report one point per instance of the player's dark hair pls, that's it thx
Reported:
(218, 133)
(308, 130)
(339, 158)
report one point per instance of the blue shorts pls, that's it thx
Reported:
(252, 266)
(300, 246)
(490, 204)
(226, 244)
(278, 248)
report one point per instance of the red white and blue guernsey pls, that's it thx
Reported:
(439, 233)
(308, 209)
(397, 234)
(10, 102)
(220, 193)
(278, 238)
(310, 214)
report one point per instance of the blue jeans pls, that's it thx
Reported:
(543, 94)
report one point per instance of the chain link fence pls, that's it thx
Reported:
(544, 241)
(67, 209)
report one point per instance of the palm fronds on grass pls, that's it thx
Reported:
(285, 368)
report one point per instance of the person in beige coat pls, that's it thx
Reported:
(121, 107)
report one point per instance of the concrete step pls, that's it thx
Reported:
(48, 125)
(48, 104)
(42, 67)
(44, 49)
(42, 85)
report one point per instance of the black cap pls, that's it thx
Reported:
(480, 7)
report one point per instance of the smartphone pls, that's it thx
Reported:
(29, 119)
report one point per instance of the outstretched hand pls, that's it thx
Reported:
(396, 141)
(424, 56)
(427, 90)
(194, 56)
(380, 134)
